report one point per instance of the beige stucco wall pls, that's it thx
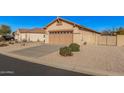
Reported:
(17, 36)
(97, 38)
(36, 37)
(107, 40)
(77, 36)
(47, 38)
(90, 37)
(120, 40)
(30, 37)
(81, 36)
(111, 40)
(102, 40)
(64, 25)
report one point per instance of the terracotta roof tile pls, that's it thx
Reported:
(34, 30)
(82, 27)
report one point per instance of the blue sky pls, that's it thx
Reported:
(97, 23)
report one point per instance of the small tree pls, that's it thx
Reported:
(110, 32)
(4, 29)
(114, 31)
(120, 31)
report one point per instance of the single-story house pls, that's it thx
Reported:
(36, 34)
(60, 31)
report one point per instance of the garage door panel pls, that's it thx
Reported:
(61, 38)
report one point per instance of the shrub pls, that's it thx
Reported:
(11, 42)
(3, 45)
(16, 41)
(74, 47)
(65, 51)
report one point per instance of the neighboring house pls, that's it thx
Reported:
(59, 31)
(36, 34)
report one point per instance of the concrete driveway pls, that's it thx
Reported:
(94, 60)
(38, 51)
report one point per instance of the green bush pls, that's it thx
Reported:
(65, 51)
(74, 47)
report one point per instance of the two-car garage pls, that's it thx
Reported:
(60, 37)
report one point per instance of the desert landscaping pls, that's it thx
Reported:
(94, 60)
(67, 45)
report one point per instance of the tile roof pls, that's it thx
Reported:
(34, 30)
(81, 27)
